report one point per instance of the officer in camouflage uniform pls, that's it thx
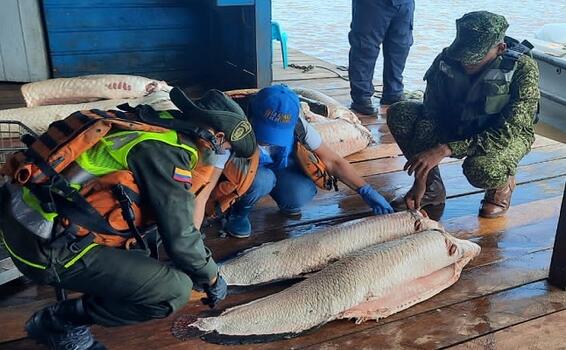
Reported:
(480, 104)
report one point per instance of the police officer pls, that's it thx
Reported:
(124, 287)
(480, 104)
(289, 146)
(377, 22)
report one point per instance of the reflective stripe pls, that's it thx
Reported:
(42, 267)
(29, 213)
(77, 175)
(29, 263)
(80, 255)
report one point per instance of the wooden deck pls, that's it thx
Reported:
(502, 300)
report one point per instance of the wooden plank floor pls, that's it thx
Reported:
(501, 301)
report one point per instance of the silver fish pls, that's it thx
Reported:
(369, 284)
(294, 257)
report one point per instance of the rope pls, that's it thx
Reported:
(310, 67)
(416, 95)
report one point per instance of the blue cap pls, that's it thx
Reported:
(274, 115)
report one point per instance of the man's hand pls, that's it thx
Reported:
(415, 195)
(215, 292)
(375, 200)
(422, 162)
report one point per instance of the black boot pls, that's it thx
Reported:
(63, 326)
(365, 107)
(434, 198)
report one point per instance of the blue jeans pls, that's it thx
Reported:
(289, 187)
(377, 22)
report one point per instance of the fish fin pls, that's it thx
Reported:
(404, 296)
(370, 310)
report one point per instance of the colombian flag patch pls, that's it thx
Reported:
(182, 175)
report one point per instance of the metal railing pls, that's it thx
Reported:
(11, 132)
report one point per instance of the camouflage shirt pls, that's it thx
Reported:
(517, 116)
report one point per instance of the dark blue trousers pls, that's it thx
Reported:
(376, 23)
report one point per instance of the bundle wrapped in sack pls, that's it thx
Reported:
(89, 88)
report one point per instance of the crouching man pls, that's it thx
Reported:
(78, 206)
(480, 104)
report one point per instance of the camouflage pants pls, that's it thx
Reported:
(415, 134)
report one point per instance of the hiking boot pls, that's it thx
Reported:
(238, 224)
(365, 107)
(496, 201)
(63, 326)
(434, 198)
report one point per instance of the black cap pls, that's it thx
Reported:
(220, 112)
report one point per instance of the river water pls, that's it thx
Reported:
(320, 27)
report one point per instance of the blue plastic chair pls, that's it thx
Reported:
(281, 36)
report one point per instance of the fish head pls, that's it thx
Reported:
(423, 223)
(460, 250)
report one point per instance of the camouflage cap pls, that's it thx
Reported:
(476, 33)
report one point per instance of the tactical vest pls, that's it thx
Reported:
(472, 105)
(75, 178)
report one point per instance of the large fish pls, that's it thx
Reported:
(372, 283)
(293, 257)
(38, 118)
(89, 88)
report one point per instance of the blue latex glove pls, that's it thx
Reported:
(215, 293)
(375, 200)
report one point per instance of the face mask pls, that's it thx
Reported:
(270, 154)
(271, 150)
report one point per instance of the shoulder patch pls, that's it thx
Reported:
(182, 175)
(240, 131)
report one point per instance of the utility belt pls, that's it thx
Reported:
(148, 241)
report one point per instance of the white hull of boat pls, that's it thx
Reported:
(551, 59)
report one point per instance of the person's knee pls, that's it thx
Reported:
(485, 172)
(295, 194)
(363, 43)
(178, 296)
(263, 183)
(402, 114)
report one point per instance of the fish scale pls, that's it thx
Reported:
(293, 257)
(375, 272)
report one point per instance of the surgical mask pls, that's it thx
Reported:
(271, 154)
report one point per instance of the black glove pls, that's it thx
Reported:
(215, 293)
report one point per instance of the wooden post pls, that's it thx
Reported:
(557, 272)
